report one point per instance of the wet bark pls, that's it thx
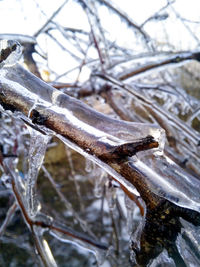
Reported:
(162, 223)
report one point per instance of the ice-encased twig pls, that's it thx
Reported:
(152, 107)
(126, 18)
(43, 248)
(97, 134)
(173, 60)
(8, 218)
(73, 119)
(97, 33)
(41, 222)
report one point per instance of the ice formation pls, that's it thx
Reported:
(37, 149)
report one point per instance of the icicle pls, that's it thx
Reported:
(117, 177)
(130, 205)
(111, 195)
(74, 178)
(69, 157)
(38, 145)
(99, 182)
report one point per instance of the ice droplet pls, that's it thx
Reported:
(88, 165)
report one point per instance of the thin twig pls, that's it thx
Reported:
(51, 18)
(8, 218)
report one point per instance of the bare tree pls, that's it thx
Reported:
(136, 138)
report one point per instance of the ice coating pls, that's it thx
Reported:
(10, 52)
(75, 111)
(168, 180)
(44, 249)
(98, 253)
(163, 260)
(120, 179)
(71, 113)
(188, 243)
(105, 129)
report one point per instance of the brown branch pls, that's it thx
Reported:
(94, 140)
(93, 131)
(178, 58)
(96, 134)
(153, 108)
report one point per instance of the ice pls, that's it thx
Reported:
(10, 213)
(42, 248)
(89, 166)
(18, 37)
(163, 260)
(100, 254)
(168, 180)
(130, 208)
(16, 179)
(135, 239)
(117, 177)
(73, 176)
(5, 179)
(10, 52)
(99, 183)
(161, 174)
(188, 243)
(111, 195)
(37, 149)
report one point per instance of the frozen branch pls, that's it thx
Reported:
(110, 143)
(175, 59)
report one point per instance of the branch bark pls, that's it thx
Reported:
(112, 141)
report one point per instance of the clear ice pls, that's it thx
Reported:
(164, 177)
(14, 53)
(37, 149)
